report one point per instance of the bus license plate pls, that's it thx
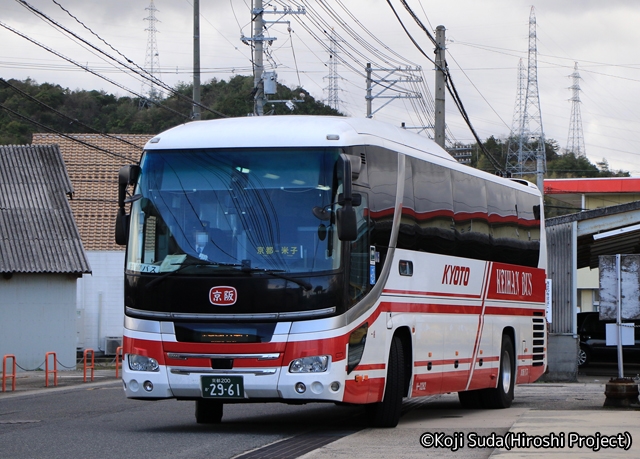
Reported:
(222, 386)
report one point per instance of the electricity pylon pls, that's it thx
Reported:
(575, 140)
(152, 58)
(526, 153)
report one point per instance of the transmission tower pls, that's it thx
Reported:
(518, 110)
(333, 91)
(152, 59)
(526, 153)
(575, 140)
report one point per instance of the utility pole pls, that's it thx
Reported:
(258, 65)
(440, 86)
(196, 59)
(368, 97)
(258, 39)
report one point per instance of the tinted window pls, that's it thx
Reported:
(471, 219)
(383, 175)
(432, 200)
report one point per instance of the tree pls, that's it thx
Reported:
(566, 165)
(103, 112)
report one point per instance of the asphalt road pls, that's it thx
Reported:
(100, 422)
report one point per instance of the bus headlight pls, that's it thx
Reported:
(315, 364)
(142, 363)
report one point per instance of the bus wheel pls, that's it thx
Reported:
(502, 396)
(471, 399)
(208, 411)
(387, 413)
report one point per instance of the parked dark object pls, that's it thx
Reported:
(593, 342)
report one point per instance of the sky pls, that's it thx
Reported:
(485, 42)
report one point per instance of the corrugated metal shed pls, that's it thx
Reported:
(37, 231)
(571, 245)
(560, 269)
(592, 222)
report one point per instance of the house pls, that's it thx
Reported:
(93, 162)
(41, 257)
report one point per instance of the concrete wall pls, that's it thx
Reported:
(562, 358)
(101, 301)
(37, 315)
(596, 201)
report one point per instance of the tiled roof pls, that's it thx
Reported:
(37, 230)
(94, 174)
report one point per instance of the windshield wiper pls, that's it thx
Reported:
(188, 264)
(246, 268)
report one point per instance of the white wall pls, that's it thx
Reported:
(101, 300)
(37, 315)
(588, 282)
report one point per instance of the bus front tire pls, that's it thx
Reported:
(502, 396)
(208, 411)
(387, 412)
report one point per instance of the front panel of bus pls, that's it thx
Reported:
(226, 249)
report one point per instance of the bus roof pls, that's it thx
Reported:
(288, 131)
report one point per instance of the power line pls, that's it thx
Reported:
(141, 72)
(450, 87)
(84, 67)
(66, 136)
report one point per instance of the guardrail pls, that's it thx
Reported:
(51, 367)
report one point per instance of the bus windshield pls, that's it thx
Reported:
(250, 209)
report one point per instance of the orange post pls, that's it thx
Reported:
(5, 375)
(92, 367)
(47, 371)
(119, 358)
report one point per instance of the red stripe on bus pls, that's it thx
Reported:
(429, 294)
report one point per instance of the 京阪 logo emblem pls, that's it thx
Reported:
(223, 296)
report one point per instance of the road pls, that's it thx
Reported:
(99, 422)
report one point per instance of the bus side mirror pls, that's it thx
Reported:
(122, 226)
(128, 175)
(346, 216)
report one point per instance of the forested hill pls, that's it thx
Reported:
(27, 107)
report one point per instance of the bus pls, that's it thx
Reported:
(303, 259)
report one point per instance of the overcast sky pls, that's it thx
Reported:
(485, 41)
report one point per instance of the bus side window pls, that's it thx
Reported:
(433, 198)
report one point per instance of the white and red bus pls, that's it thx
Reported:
(307, 259)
